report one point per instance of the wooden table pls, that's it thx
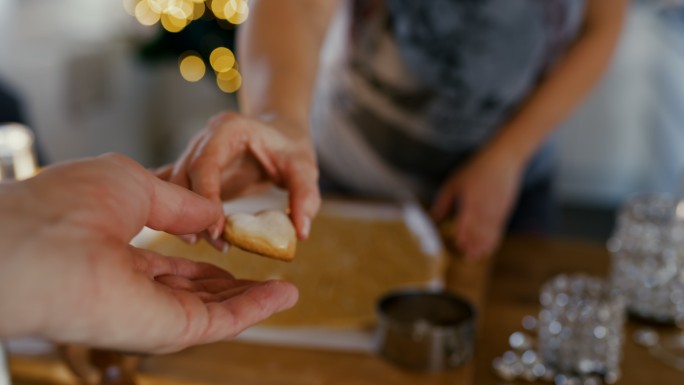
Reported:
(504, 289)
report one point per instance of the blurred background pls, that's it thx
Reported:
(92, 76)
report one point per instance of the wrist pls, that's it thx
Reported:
(290, 124)
(507, 155)
(295, 130)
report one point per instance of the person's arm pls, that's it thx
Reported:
(69, 274)
(566, 85)
(486, 188)
(269, 142)
(279, 47)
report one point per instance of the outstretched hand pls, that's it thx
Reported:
(67, 271)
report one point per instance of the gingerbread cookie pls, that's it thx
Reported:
(268, 233)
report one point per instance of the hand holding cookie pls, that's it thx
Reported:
(267, 233)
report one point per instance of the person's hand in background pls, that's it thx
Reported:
(68, 273)
(237, 155)
(481, 195)
(486, 188)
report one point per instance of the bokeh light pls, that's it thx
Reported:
(145, 15)
(236, 11)
(176, 15)
(173, 22)
(192, 67)
(235, 6)
(222, 59)
(229, 81)
(199, 8)
(149, 12)
(218, 8)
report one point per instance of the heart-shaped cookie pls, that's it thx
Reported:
(268, 233)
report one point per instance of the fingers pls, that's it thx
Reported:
(213, 305)
(191, 287)
(477, 244)
(263, 153)
(154, 265)
(204, 173)
(179, 211)
(189, 238)
(245, 308)
(164, 172)
(305, 198)
(161, 319)
(475, 233)
(473, 228)
(216, 151)
(205, 179)
(208, 186)
(218, 243)
(444, 204)
(216, 286)
(119, 195)
(179, 173)
(212, 317)
(255, 151)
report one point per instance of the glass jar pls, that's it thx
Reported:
(647, 249)
(580, 330)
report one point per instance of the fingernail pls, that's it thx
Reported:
(215, 232)
(225, 248)
(189, 238)
(306, 227)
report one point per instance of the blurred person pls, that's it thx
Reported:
(69, 274)
(448, 101)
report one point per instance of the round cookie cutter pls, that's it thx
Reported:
(425, 330)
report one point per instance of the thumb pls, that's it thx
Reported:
(177, 210)
(305, 197)
(444, 203)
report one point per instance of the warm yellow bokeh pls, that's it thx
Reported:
(239, 18)
(192, 67)
(229, 81)
(173, 23)
(175, 15)
(199, 8)
(236, 11)
(145, 15)
(182, 9)
(222, 59)
(149, 12)
(238, 6)
(218, 7)
(157, 6)
(229, 9)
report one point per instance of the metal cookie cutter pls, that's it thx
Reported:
(425, 330)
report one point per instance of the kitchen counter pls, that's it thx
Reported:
(504, 289)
